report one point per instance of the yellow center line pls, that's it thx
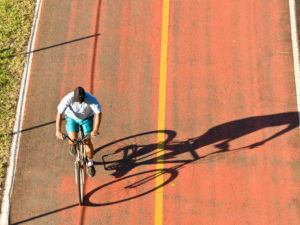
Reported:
(161, 112)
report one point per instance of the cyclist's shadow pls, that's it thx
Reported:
(134, 155)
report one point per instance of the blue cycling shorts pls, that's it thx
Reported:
(73, 125)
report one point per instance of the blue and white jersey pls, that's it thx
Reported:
(77, 111)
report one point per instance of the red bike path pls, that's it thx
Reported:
(231, 122)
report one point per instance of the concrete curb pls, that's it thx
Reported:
(294, 36)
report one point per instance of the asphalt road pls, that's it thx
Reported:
(230, 154)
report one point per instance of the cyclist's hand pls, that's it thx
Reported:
(94, 133)
(59, 135)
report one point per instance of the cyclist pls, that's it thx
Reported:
(80, 108)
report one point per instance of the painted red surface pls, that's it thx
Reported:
(231, 116)
(117, 59)
(231, 81)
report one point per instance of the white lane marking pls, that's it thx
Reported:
(4, 220)
(295, 45)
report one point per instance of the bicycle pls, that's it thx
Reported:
(80, 162)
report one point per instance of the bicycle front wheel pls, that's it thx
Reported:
(79, 173)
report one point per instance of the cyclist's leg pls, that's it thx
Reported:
(72, 129)
(73, 136)
(87, 126)
(89, 149)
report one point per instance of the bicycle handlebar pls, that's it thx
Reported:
(75, 141)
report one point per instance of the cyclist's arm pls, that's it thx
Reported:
(61, 108)
(97, 122)
(58, 125)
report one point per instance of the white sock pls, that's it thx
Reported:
(90, 162)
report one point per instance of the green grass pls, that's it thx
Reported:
(15, 26)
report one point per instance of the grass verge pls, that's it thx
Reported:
(16, 18)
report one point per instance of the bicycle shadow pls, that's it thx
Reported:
(134, 155)
(137, 155)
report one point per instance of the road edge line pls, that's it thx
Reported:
(5, 208)
(295, 46)
(161, 112)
